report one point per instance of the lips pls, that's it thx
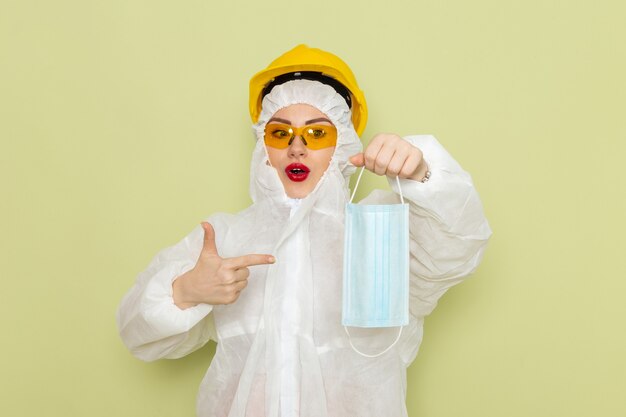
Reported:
(297, 172)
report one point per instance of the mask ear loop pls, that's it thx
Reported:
(378, 354)
(356, 185)
(400, 189)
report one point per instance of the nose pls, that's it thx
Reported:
(297, 148)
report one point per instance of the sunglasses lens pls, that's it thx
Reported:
(277, 135)
(320, 136)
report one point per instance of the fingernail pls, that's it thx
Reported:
(272, 259)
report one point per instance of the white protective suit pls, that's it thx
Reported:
(281, 348)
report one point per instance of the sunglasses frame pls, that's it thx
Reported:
(328, 140)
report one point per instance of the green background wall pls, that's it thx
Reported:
(124, 123)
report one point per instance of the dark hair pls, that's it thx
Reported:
(313, 76)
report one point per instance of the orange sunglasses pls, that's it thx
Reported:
(280, 135)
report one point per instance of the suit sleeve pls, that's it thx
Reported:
(150, 324)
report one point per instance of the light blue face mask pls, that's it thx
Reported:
(376, 266)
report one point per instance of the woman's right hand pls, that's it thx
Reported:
(215, 280)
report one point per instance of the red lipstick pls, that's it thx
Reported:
(297, 172)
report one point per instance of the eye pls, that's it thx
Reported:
(281, 134)
(316, 132)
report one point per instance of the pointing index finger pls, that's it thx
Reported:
(245, 261)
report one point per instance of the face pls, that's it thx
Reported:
(299, 167)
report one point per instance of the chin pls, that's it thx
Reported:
(297, 192)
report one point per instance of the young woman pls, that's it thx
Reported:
(266, 283)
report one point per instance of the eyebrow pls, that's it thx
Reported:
(319, 119)
(278, 119)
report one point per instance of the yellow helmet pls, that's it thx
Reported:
(314, 64)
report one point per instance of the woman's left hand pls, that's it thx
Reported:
(389, 154)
